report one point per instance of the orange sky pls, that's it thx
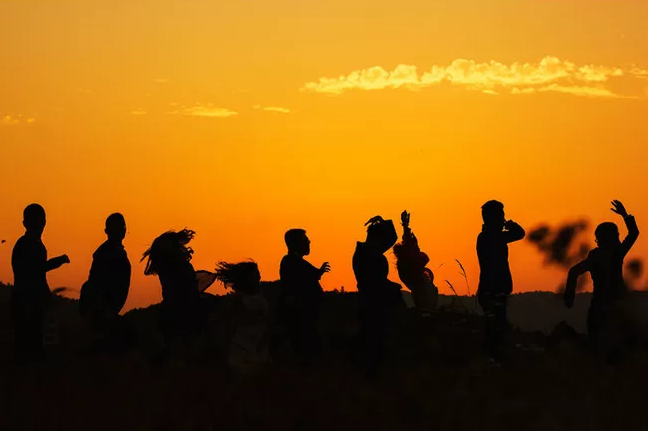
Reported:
(241, 119)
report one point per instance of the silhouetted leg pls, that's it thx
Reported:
(309, 334)
(501, 324)
(373, 327)
(595, 320)
(293, 327)
(28, 321)
(496, 323)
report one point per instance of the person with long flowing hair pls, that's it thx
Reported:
(169, 257)
(248, 351)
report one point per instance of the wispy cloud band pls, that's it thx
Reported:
(277, 109)
(9, 120)
(549, 74)
(205, 110)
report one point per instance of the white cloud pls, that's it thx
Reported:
(529, 90)
(138, 112)
(205, 110)
(273, 109)
(639, 73)
(10, 120)
(581, 91)
(492, 77)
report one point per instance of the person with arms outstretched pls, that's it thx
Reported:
(105, 293)
(31, 295)
(605, 264)
(301, 294)
(411, 265)
(495, 280)
(376, 292)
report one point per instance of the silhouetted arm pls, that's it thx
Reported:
(312, 272)
(633, 234)
(120, 290)
(572, 281)
(56, 262)
(514, 232)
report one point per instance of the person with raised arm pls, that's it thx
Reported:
(377, 294)
(411, 265)
(605, 264)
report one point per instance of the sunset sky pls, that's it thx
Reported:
(242, 119)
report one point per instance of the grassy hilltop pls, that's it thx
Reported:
(435, 378)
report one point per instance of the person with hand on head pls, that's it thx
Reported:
(495, 280)
(377, 294)
(301, 295)
(605, 264)
(31, 295)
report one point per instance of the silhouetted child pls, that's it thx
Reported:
(181, 311)
(105, 293)
(605, 264)
(301, 294)
(376, 292)
(495, 281)
(248, 351)
(411, 265)
(31, 294)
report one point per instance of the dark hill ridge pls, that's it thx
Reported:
(436, 378)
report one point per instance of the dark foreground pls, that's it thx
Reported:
(435, 378)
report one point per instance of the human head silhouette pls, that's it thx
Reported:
(241, 277)
(34, 219)
(410, 257)
(167, 251)
(297, 242)
(607, 235)
(116, 227)
(381, 234)
(493, 214)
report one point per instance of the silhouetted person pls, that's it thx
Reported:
(248, 351)
(105, 293)
(181, 311)
(301, 294)
(605, 264)
(31, 294)
(411, 265)
(376, 292)
(495, 281)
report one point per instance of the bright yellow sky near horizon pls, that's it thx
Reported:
(241, 119)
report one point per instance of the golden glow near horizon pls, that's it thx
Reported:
(241, 120)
